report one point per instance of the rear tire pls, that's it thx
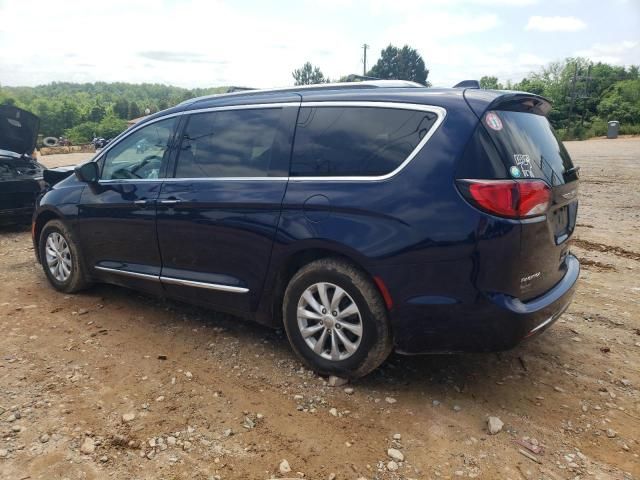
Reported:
(336, 320)
(61, 260)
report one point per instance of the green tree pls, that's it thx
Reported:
(308, 75)
(622, 103)
(63, 105)
(134, 110)
(121, 108)
(530, 85)
(5, 98)
(110, 126)
(490, 83)
(82, 133)
(97, 113)
(400, 64)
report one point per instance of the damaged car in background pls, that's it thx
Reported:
(21, 176)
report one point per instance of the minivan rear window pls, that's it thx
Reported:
(529, 147)
(356, 141)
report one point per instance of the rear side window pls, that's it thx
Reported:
(528, 146)
(356, 141)
(230, 143)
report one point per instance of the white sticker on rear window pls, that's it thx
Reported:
(493, 121)
(524, 162)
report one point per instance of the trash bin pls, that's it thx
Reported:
(613, 127)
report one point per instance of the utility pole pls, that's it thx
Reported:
(586, 93)
(364, 61)
(579, 90)
(573, 95)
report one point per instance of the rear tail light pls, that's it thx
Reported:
(508, 198)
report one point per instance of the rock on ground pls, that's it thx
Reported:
(284, 467)
(337, 381)
(494, 425)
(396, 454)
(88, 446)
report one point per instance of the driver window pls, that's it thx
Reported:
(140, 155)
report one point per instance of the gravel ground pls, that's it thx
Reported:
(113, 384)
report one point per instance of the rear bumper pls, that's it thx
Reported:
(494, 322)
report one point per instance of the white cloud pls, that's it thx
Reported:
(188, 43)
(531, 60)
(464, 62)
(413, 6)
(419, 28)
(197, 43)
(555, 24)
(626, 52)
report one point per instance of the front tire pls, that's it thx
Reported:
(336, 320)
(61, 259)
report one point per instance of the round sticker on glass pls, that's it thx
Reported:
(515, 172)
(493, 121)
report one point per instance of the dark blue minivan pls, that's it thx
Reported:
(363, 217)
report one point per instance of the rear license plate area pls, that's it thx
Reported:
(560, 223)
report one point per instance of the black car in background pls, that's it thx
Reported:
(20, 174)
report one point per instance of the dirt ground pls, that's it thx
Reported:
(207, 396)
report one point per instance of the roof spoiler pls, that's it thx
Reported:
(482, 100)
(522, 102)
(467, 84)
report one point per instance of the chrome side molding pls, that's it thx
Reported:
(127, 273)
(207, 285)
(174, 281)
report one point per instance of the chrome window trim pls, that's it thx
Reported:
(134, 129)
(174, 281)
(192, 179)
(440, 112)
(121, 180)
(249, 106)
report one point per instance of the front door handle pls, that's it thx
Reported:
(170, 201)
(142, 202)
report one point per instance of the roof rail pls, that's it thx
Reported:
(319, 86)
(467, 84)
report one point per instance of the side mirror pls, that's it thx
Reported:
(87, 172)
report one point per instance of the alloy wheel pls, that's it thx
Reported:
(58, 257)
(329, 321)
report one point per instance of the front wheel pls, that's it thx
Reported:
(336, 320)
(61, 259)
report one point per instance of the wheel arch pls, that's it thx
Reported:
(293, 262)
(40, 221)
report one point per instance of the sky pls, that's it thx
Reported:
(208, 43)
